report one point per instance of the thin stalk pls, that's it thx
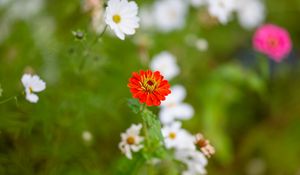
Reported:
(8, 99)
(83, 61)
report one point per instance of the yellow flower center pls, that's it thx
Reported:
(149, 84)
(130, 140)
(116, 18)
(30, 89)
(172, 135)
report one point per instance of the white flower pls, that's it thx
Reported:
(201, 44)
(197, 3)
(170, 14)
(251, 13)
(176, 137)
(173, 108)
(194, 160)
(131, 141)
(147, 19)
(165, 62)
(221, 9)
(122, 18)
(29, 8)
(98, 24)
(87, 136)
(32, 84)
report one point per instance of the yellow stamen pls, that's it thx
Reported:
(172, 135)
(149, 84)
(116, 18)
(30, 90)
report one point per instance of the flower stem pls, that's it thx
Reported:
(83, 61)
(145, 127)
(8, 99)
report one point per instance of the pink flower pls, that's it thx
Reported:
(273, 41)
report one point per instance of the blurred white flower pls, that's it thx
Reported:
(173, 108)
(201, 44)
(131, 141)
(251, 13)
(87, 136)
(32, 84)
(221, 9)
(121, 16)
(98, 23)
(147, 19)
(198, 3)
(4, 2)
(194, 160)
(91, 5)
(170, 14)
(25, 9)
(176, 137)
(165, 62)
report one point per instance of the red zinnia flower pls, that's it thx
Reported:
(149, 87)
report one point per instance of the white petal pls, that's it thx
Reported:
(183, 111)
(37, 84)
(136, 148)
(165, 62)
(178, 93)
(166, 115)
(26, 79)
(119, 34)
(33, 98)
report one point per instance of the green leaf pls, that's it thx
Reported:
(134, 105)
(154, 139)
(126, 166)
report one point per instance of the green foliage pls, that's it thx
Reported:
(248, 112)
(154, 139)
(153, 147)
(134, 105)
(1, 91)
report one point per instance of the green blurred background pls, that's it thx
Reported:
(247, 106)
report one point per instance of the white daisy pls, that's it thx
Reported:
(194, 160)
(173, 108)
(221, 9)
(170, 14)
(32, 84)
(165, 62)
(251, 13)
(121, 16)
(131, 141)
(176, 137)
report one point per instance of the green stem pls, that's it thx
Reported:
(145, 127)
(100, 36)
(83, 61)
(8, 99)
